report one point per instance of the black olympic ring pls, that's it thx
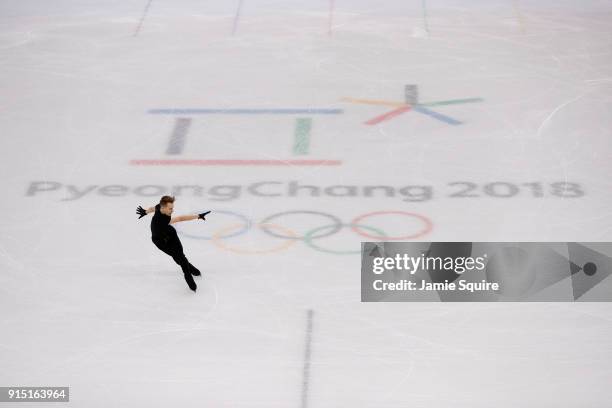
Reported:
(308, 239)
(337, 222)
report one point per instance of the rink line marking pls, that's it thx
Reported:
(301, 141)
(598, 80)
(425, 22)
(237, 17)
(233, 162)
(331, 17)
(142, 18)
(178, 136)
(519, 15)
(246, 111)
(307, 358)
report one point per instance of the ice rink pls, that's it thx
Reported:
(307, 128)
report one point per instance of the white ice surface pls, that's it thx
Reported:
(87, 301)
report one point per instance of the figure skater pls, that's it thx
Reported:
(165, 238)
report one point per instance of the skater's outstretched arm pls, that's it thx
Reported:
(189, 217)
(142, 212)
(181, 218)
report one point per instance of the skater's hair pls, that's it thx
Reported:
(165, 200)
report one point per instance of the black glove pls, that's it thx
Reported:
(141, 211)
(202, 215)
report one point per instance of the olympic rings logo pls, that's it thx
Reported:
(331, 225)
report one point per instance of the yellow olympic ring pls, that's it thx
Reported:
(217, 239)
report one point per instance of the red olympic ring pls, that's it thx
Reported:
(427, 228)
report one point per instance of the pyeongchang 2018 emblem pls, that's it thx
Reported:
(299, 145)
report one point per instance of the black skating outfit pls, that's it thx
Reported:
(165, 238)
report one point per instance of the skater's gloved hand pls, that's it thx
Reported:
(203, 215)
(141, 211)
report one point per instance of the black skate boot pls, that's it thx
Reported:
(194, 271)
(190, 282)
